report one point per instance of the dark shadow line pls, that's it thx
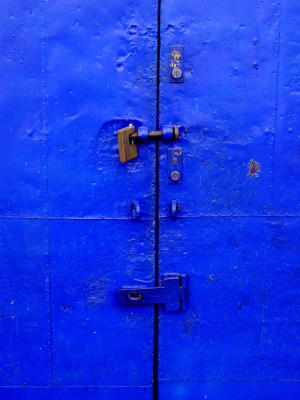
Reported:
(156, 274)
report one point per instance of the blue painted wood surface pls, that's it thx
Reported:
(236, 234)
(72, 73)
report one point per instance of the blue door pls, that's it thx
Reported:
(72, 74)
(216, 210)
(236, 233)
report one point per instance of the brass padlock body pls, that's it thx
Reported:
(127, 148)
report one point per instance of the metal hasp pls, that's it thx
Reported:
(172, 292)
(128, 138)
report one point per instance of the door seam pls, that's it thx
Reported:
(156, 272)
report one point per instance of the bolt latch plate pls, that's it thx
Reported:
(171, 292)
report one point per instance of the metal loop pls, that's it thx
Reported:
(135, 210)
(174, 207)
(134, 296)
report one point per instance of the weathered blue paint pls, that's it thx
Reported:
(71, 393)
(25, 303)
(92, 336)
(22, 118)
(72, 74)
(250, 390)
(237, 229)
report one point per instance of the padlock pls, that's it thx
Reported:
(127, 147)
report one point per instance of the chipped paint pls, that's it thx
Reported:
(254, 168)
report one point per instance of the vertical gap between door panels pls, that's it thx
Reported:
(156, 274)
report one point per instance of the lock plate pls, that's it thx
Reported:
(127, 148)
(172, 292)
(176, 64)
(175, 165)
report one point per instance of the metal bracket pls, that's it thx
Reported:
(172, 292)
(176, 64)
(175, 165)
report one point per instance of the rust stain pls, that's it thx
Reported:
(254, 168)
(191, 323)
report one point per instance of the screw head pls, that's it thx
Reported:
(175, 176)
(176, 73)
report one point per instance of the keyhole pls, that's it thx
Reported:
(134, 296)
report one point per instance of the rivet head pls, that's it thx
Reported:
(175, 176)
(176, 73)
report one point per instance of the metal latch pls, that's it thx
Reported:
(129, 137)
(172, 292)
